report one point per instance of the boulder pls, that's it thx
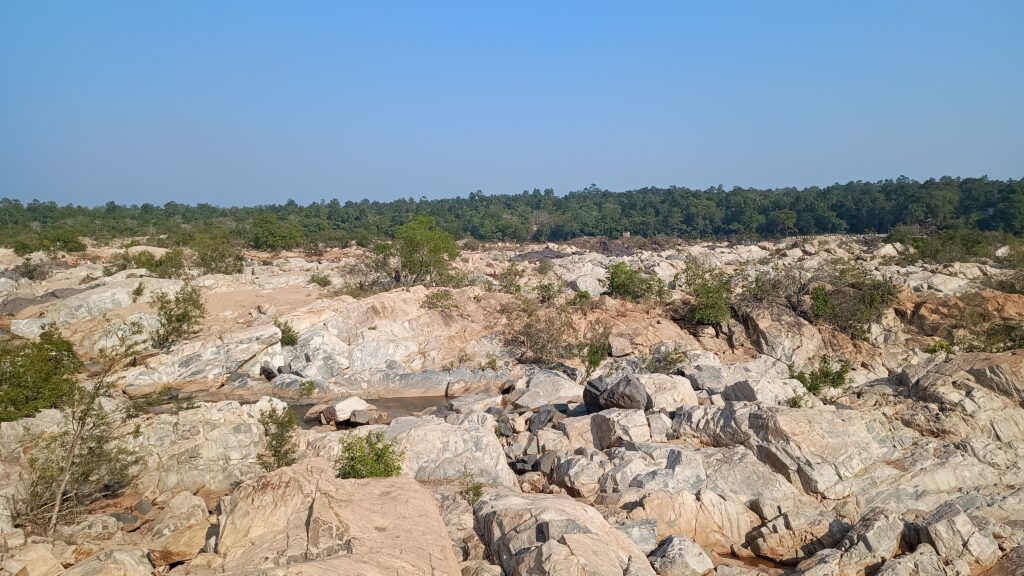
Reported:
(548, 534)
(956, 539)
(680, 556)
(179, 532)
(626, 392)
(339, 412)
(114, 562)
(617, 426)
(667, 392)
(547, 387)
(33, 560)
(768, 391)
(778, 332)
(304, 518)
(438, 450)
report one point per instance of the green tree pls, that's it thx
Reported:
(179, 317)
(425, 251)
(36, 375)
(267, 232)
(624, 281)
(279, 426)
(712, 292)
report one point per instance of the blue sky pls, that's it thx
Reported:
(257, 102)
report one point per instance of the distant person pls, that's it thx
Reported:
(398, 276)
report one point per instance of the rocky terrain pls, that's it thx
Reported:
(688, 450)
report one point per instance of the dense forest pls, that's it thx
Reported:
(856, 207)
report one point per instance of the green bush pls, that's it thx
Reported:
(580, 298)
(1001, 336)
(776, 285)
(279, 426)
(632, 284)
(26, 246)
(179, 317)
(307, 388)
(712, 291)
(320, 280)
(510, 279)
(170, 265)
(826, 375)
(64, 239)
(537, 334)
(851, 299)
(138, 291)
(545, 266)
(425, 251)
(472, 489)
(442, 300)
(369, 456)
(939, 345)
(289, 336)
(36, 375)
(267, 232)
(595, 347)
(217, 252)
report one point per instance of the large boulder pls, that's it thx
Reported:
(114, 562)
(179, 532)
(626, 392)
(547, 387)
(667, 392)
(306, 520)
(545, 534)
(212, 447)
(680, 556)
(777, 332)
(437, 450)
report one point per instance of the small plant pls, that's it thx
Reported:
(795, 401)
(538, 334)
(320, 280)
(442, 300)
(626, 282)
(824, 376)
(369, 456)
(579, 299)
(712, 292)
(509, 280)
(665, 361)
(178, 317)
(472, 489)
(138, 292)
(544, 266)
(307, 388)
(595, 347)
(999, 337)
(940, 345)
(279, 425)
(289, 336)
(491, 363)
(547, 292)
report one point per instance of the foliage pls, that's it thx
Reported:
(712, 291)
(279, 426)
(626, 282)
(545, 266)
(268, 232)
(1001, 336)
(36, 375)
(774, 285)
(824, 376)
(850, 298)
(32, 271)
(939, 345)
(179, 317)
(594, 347)
(369, 456)
(216, 252)
(368, 273)
(138, 291)
(579, 299)
(547, 292)
(88, 458)
(320, 280)
(289, 336)
(425, 251)
(665, 360)
(510, 279)
(307, 388)
(442, 300)
(170, 265)
(937, 204)
(472, 489)
(959, 244)
(537, 334)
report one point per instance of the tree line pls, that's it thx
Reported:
(739, 213)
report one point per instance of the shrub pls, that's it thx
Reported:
(138, 291)
(279, 425)
(775, 285)
(266, 232)
(545, 266)
(851, 299)
(509, 280)
(579, 299)
(170, 265)
(32, 271)
(442, 300)
(62, 238)
(999, 337)
(425, 251)
(472, 489)
(307, 388)
(939, 345)
(369, 456)
(289, 336)
(632, 284)
(179, 317)
(537, 334)
(368, 273)
(320, 280)
(824, 376)
(665, 360)
(36, 375)
(547, 292)
(217, 252)
(26, 246)
(712, 291)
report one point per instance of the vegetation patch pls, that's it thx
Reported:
(633, 284)
(369, 456)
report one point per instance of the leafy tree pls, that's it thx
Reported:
(536, 333)
(267, 232)
(624, 281)
(217, 252)
(369, 456)
(424, 250)
(279, 426)
(36, 375)
(712, 291)
(179, 317)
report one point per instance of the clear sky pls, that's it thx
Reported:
(256, 102)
